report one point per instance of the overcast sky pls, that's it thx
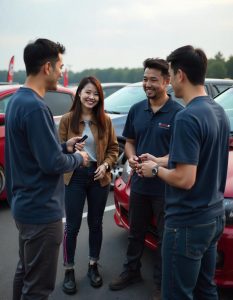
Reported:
(115, 33)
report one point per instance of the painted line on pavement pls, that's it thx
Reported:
(107, 208)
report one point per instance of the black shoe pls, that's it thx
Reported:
(95, 278)
(69, 285)
(126, 278)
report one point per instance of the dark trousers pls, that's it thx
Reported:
(189, 260)
(38, 255)
(141, 210)
(81, 187)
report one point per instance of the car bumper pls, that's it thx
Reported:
(224, 268)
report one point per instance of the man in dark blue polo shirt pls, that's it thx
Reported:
(147, 130)
(194, 213)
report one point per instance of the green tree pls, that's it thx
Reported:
(219, 56)
(229, 66)
(216, 69)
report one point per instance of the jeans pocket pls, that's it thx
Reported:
(199, 238)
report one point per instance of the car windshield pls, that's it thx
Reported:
(123, 99)
(226, 101)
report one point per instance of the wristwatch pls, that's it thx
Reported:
(106, 165)
(155, 170)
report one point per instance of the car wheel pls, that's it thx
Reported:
(2, 180)
(118, 167)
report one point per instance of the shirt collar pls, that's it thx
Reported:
(91, 121)
(165, 108)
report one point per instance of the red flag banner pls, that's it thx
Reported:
(10, 73)
(65, 78)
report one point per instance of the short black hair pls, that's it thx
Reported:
(39, 52)
(158, 64)
(192, 61)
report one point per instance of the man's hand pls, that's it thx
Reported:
(147, 156)
(72, 144)
(162, 160)
(133, 162)
(145, 168)
(85, 157)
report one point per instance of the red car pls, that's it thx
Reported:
(59, 102)
(224, 267)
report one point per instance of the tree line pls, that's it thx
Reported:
(218, 67)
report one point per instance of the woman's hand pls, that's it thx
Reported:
(100, 172)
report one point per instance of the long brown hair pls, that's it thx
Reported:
(76, 108)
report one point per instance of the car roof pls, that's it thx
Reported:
(109, 84)
(207, 80)
(218, 80)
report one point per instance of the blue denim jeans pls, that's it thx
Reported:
(189, 259)
(81, 187)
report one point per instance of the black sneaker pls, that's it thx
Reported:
(69, 285)
(126, 278)
(93, 273)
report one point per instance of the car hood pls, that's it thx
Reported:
(118, 122)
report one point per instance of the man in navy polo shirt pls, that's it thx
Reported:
(194, 213)
(147, 130)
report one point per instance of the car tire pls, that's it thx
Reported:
(2, 180)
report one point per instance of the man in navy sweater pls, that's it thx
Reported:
(35, 163)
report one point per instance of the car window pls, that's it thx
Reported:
(3, 103)
(110, 90)
(123, 99)
(58, 102)
(226, 101)
(222, 87)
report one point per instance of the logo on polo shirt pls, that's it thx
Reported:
(164, 125)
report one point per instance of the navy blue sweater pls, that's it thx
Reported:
(34, 160)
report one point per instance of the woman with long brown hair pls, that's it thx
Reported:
(87, 117)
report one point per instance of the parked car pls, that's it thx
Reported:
(224, 267)
(58, 101)
(119, 103)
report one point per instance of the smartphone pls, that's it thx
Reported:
(81, 140)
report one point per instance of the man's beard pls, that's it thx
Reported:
(156, 95)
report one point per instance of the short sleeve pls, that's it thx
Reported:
(185, 147)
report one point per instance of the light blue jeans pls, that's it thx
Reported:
(189, 259)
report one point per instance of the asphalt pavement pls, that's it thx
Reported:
(112, 258)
